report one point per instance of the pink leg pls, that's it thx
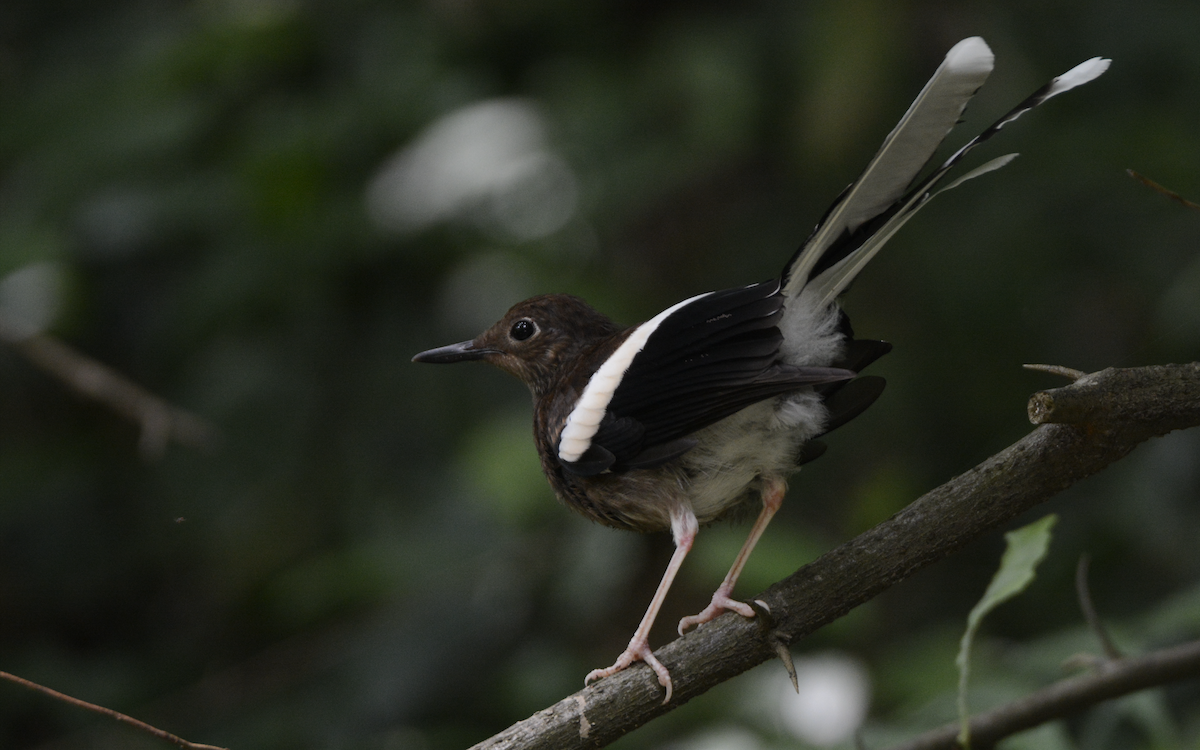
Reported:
(683, 527)
(772, 497)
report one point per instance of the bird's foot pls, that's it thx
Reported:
(720, 603)
(638, 648)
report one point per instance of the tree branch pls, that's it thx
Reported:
(160, 422)
(1110, 679)
(117, 715)
(1111, 412)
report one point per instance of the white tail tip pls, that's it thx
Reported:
(970, 55)
(1088, 70)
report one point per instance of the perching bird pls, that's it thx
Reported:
(673, 423)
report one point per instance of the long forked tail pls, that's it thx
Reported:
(885, 196)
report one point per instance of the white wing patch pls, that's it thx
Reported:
(584, 419)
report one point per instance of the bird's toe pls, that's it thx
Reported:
(720, 604)
(637, 650)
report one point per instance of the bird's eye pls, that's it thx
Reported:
(522, 329)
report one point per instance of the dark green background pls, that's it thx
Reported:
(370, 558)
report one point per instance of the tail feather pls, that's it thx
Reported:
(904, 153)
(833, 257)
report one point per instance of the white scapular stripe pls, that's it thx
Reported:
(584, 419)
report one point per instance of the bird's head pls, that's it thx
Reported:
(534, 340)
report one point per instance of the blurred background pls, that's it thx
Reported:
(261, 209)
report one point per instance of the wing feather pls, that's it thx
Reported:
(704, 360)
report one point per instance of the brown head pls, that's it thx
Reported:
(534, 339)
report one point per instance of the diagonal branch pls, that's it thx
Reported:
(117, 715)
(1111, 679)
(160, 422)
(1104, 416)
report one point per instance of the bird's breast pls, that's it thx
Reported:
(716, 476)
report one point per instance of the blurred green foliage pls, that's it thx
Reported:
(369, 558)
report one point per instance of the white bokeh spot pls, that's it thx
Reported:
(30, 299)
(489, 163)
(832, 703)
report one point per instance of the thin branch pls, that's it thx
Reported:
(1162, 190)
(1111, 679)
(160, 422)
(1124, 408)
(1095, 624)
(1069, 373)
(123, 718)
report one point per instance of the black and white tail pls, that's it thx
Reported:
(887, 194)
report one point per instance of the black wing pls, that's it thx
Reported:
(711, 358)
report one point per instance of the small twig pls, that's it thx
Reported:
(1067, 697)
(1089, 610)
(1160, 189)
(776, 638)
(160, 422)
(1066, 372)
(123, 718)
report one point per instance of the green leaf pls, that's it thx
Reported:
(1026, 548)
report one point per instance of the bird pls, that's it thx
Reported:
(712, 404)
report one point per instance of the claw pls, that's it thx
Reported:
(720, 603)
(638, 649)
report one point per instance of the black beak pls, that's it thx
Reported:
(461, 352)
